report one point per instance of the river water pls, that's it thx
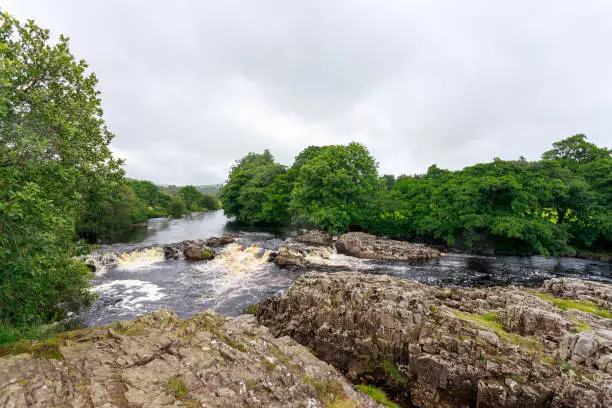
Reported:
(142, 281)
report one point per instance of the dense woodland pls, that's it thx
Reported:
(555, 206)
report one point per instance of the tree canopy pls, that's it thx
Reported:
(553, 206)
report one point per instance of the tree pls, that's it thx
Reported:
(335, 187)
(53, 144)
(177, 207)
(575, 150)
(192, 198)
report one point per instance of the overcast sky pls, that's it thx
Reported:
(188, 87)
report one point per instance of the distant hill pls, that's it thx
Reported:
(211, 189)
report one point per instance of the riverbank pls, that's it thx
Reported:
(421, 345)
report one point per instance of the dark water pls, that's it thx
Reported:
(240, 276)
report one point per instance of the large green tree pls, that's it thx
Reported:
(53, 145)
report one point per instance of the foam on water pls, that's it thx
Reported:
(132, 292)
(140, 259)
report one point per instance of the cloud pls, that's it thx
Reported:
(190, 87)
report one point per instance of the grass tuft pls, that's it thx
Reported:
(582, 305)
(176, 387)
(377, 395)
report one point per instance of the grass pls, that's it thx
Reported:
(490, 322)
(126, 328)
(11, 334)
(394, 372)
(49, 349)
(267, 364)
(581, 325)
(330, 393)
(253, 309)
(377, 395)
(176, 387)
(582, 305)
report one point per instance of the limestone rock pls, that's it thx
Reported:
(316, 237)
(485, 347)
(159, 360)
(369, 246)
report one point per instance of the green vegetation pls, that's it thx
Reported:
(253, 309)
(558, 205)
(582, 305)
(581, 325)
(377, 395)
(330, 393)
(490, 322)
(176, 387)
(391, 370)
(38, 349)
(59, 183)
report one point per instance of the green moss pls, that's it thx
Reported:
(330, 393)
(391, 370)
(582, 305)
(516, 377)
(207, 254)
(130, 328)
(267, 364)
(377, 395)
(581, 325)
(489, 321)
(176, 386)
(253, 309)
(49, 349)
(283, 359)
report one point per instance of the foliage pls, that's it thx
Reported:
(53, 145)
(582, 305)
(377, 395)
(554, 206)
(177, 207)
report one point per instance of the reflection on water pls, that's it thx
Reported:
(138, 280)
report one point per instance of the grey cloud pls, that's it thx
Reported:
(188, 87)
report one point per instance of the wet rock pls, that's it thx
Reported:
(159, 360)
(197, 251)
(216, 242)
(362, 245)
(293, 254)
(485, 347)
(171, 252)
(316, 237)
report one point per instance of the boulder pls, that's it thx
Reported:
(362, 245)
(197, 251)
(316, 237)
(159, 360)
(216, 242)
(297, 255)
(433, 347)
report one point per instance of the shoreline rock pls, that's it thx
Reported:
(159, 360)
(490, 347)
(368, 246)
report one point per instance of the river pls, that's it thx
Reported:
(239, 276)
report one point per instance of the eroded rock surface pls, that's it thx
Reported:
(294, 254)
(316, 237)
(491, 347)
(362, 245)
(161, 361)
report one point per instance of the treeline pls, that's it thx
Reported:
(59, 183)
(110, 212)
(557, 205)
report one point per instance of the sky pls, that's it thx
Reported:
(188, 87)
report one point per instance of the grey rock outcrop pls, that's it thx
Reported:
(316, 237)
(362, 245)
(159, 360)
(490, 347)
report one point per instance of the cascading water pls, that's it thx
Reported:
(133, 279)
